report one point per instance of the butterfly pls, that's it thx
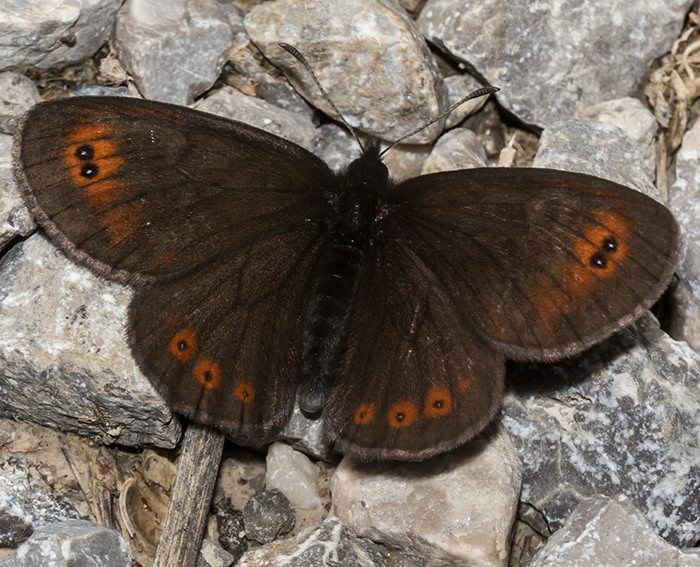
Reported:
(263, 279)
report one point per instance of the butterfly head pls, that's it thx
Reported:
(364, 182)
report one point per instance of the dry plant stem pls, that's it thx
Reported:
(197, 470)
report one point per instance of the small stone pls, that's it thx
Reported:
(13, 529)
(634, 119)
(64, 357)
(595, 148)
(230, 525)
(294, 474)
(267, 516)
(175, 50)
(457, 508)
(549, 59)
(611, 532)
(621, 418)
(329, 545)
(69, 544)
(15, 219)
(213, 555)
(54, 33)
(17, 95)
(232, 104)
(456, 149)
(367, 54)
(684, 200)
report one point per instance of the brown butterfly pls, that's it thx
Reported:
(263, 279)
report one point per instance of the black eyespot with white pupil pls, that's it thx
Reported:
(609, 244)
(598, 261)
(85, 152)
(89, 170)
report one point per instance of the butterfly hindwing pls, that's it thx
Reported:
(542, 263)
(415, 380)
(222, 344)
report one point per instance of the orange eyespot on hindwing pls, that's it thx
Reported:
(364, 414)
(207, 373)
(183, 345)
(245, 393)
(438, 402)
(402, 414)
(464, 385)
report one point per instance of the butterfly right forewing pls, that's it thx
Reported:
(542, 263)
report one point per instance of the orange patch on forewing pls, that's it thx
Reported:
(183, 345)
(104, 159)
(438, 402)
(402, 414)
(162, 261)
(464, 385)
(580, 277)
(207, 373)
(551, 303)
(245, 393)
(120, 224)
(364, 414)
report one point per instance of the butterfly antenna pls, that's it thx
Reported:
(486, 90)
(294, 52)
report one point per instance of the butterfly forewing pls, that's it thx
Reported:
(415, 380)
(140, 190)
(542, 263)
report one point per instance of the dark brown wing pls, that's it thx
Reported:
(218, 223)
(542, 263)
(139, 190)
(415, 381)
(222, 344)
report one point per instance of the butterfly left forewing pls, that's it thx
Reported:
(414, 381)
(139, 190)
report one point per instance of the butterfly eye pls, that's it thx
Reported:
(183, 345)
(402, 414)
(438, 402)
(364, 414)
(207, 373)
(245, 393)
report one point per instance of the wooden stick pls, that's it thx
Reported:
(190, 500)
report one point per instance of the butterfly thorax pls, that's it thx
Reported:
(335, 280)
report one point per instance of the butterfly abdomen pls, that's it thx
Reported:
(333, 294)
(326, 321)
